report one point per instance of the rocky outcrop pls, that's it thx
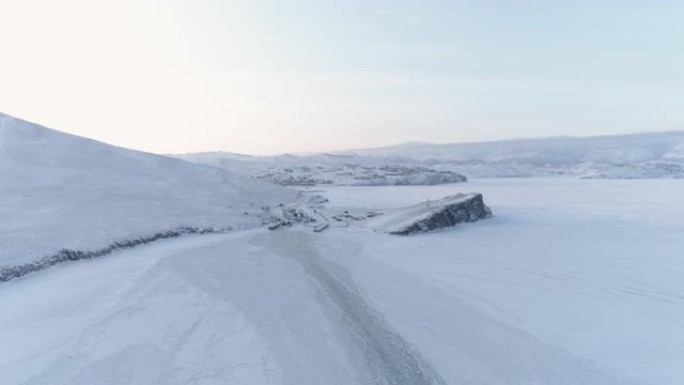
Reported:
(8, 273)
(433, 215)
(358, 175)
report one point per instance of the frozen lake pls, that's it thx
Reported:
(592, 267)
(572, 282)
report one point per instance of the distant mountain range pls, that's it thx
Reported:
(649, 155)
(617, 149)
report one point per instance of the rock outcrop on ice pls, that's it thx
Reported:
(433, 215)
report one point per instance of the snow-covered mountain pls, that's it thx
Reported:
(544, 151)
(65, 192)
(652, 155)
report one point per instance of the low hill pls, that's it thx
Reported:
(60, 191)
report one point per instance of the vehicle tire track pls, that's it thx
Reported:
(388, 357)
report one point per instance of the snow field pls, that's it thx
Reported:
(571, 282)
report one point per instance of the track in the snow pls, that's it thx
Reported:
(390, 358)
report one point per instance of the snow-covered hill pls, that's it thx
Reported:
(325, 169)
(544, 151)
(653, 155)
(60, 191)
(357, 175)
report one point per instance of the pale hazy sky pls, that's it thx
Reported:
(269, 76)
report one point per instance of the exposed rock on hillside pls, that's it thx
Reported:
(433, 215)
(358, 175)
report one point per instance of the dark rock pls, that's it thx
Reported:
(433, 215)
(8, 273)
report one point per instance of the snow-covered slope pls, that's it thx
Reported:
(641, 170)
(652, 155)
(357, 175)
(543, 151)
(677, 153)
(62, 191)
(318, 169)
(635, 156)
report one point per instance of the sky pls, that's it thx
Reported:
(267, 76)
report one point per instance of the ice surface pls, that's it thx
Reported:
(590, 267)
(572, 282)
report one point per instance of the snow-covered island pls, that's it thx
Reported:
(432, 215)
(349, 174)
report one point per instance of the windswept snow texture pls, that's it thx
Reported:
(591, 269)
(638, 156)
(246, 308)
(572, 282)
(60, 191)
